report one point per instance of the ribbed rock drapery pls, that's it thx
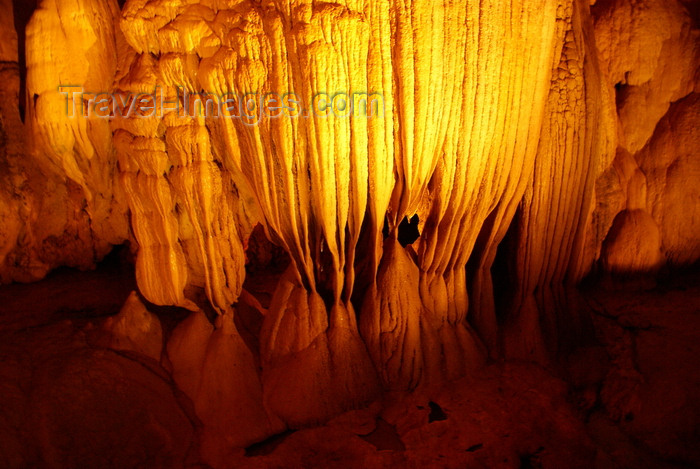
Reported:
(529, 143)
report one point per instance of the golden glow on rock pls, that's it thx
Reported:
(550, 127)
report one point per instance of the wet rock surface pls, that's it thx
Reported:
(627, 400)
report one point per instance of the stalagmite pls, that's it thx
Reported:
(134, 329)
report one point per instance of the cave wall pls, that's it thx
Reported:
(563, 131)
(58, 192)
(649, 53)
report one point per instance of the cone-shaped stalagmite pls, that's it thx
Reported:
(467, 145)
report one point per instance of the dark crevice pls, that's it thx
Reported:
(385, 229)
(325, 275)
(268, 445)
(531, 460)
(622, 91)
(503, 268)
(408, 230)
(23, 10)
(365, 267)
(385, 437)
(436, 412)
(265, 262)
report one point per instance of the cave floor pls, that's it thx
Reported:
(628, 400)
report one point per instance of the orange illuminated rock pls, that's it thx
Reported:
(633, 244)
(672, 168)
(531, 142)
(134, 329)
(60, 174)
(650, 50)
(647, 197)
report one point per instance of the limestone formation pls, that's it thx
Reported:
(531, 143)
(134, 329)
(61, 199)
(649, 51)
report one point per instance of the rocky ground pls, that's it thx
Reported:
(628, 400)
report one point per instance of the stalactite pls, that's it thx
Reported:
(61, 171)
(549, 139)
(559, 198)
